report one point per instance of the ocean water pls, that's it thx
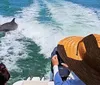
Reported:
(41, 25)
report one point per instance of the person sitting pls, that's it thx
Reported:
(63, 71)
(71, 80)
(82, 56)
(4, 74)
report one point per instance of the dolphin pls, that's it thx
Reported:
(9, 26)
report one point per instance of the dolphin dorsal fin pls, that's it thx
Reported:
(13, 20)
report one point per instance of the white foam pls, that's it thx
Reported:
(74, 20)
(9, 43)
(11, 49)
(29, 13)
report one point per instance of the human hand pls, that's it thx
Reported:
(55, 60)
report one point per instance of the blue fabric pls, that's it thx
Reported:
(54, 52)
(58, 81)
(63, 71)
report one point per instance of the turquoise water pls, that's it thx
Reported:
(41, 25)
(11, 7)
(33, 65)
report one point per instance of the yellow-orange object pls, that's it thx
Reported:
(82, 55)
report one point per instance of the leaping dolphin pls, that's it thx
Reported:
(9, 26)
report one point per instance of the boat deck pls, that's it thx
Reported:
(34, 81)
(37, 83)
